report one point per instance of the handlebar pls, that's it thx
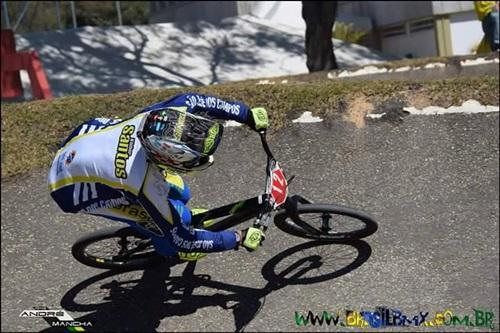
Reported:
(266, 207)
(263, 217)
(262, 134)
(270, 156)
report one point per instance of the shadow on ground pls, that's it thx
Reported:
(124, 58)
(113, 59)
(140, 305)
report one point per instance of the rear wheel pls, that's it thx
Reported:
(326, 222)
(119, 248)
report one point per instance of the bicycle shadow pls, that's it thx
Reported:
(157, 295)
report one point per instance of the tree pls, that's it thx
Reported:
(319, 17)
(41, 15)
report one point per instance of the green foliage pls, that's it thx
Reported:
(346, 32)
(41, 15)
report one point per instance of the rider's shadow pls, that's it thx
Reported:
(140, 305)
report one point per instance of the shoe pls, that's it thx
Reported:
(191, 256)
(206, 223)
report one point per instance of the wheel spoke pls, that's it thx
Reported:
(326, 222)
(322, 223)
(310, 225)
(123, 242)
(114, 249)
(139, 247)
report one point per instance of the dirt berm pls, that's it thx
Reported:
(31, 131)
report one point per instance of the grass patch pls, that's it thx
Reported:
(32, 130)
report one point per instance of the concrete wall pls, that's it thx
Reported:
(449, 7)
(419, 44)
(185, 11)
(390, 12)
(465, 28)
(387, 12)
(282, 12)
(466, 32)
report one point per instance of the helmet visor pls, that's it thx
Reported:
(178, 138)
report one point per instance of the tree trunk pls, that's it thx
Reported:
(319, 17)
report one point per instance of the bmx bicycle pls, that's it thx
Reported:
(125, 248)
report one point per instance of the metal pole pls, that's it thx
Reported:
(72, 3)
(119, 11)
(58, 14)
(6, 14)
(21, 16)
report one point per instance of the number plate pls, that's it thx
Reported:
(278, 187)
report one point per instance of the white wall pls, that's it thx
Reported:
(420, 44)
(281, 12)
(182, 12)
(466, 32)
(105, 59)
(447, 7)
(387, 12)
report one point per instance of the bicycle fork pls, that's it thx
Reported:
(262, 221)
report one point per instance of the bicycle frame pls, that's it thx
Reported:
(274, 199)
(259, 207)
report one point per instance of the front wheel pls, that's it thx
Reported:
(119, 248)
(325, 222)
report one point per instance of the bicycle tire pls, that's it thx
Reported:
(287, 222)
(78, 250)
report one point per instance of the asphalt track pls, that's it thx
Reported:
(431, 182)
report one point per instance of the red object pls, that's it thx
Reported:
(279, 186)
(13, 62)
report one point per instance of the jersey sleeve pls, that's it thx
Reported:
(206, 104)
(153, 197)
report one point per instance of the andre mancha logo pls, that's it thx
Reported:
(57, 318)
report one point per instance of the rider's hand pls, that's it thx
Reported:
(250, 238)
(258, 119)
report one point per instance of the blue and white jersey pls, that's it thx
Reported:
(101, 169)
(206, 105)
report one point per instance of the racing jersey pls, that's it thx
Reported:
(101, 169)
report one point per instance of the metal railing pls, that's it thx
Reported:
(52, 15)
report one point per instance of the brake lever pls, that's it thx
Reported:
(262, 222)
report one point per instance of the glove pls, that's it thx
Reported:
(258, 119)
(250, 238)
